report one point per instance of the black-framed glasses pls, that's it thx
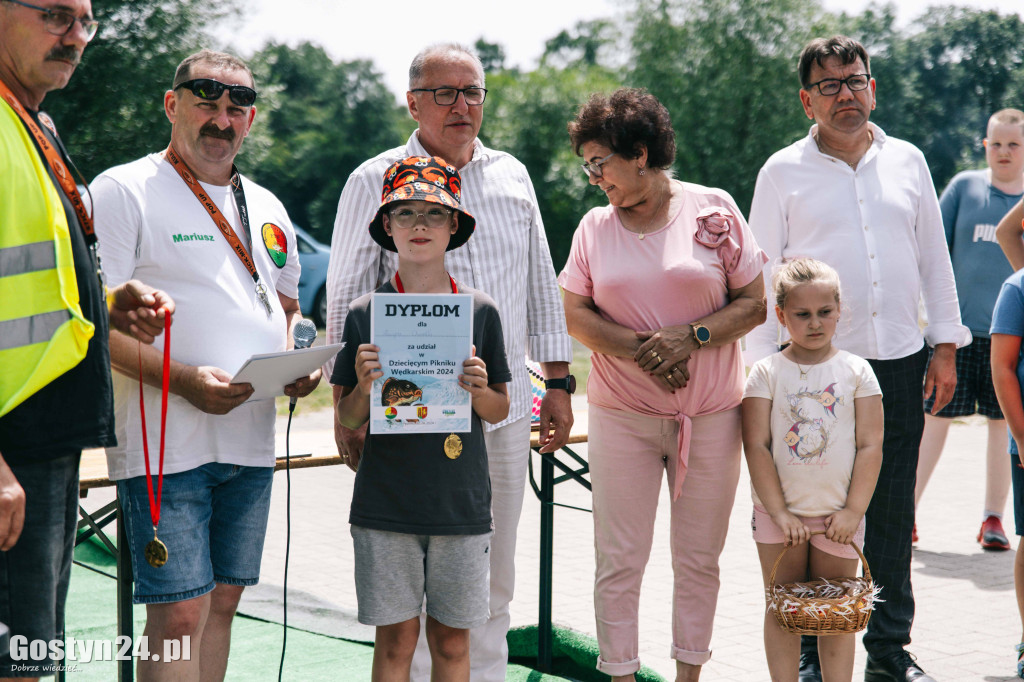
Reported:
(446, 97)
(207, 88)
(435, 216)
(832, 86)
(59, 23)
(593, 168)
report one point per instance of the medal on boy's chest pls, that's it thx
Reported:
(452, 446)
(156, 551)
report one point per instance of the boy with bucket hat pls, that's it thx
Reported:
(421, 519)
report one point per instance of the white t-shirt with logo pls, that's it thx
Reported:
(813, 422)
(152, 228)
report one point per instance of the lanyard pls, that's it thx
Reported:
(60, 169)
(221, 222)
(401, 289)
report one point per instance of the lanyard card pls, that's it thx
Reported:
(423, 340)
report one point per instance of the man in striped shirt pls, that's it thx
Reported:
(508, 258)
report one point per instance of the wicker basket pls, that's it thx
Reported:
(836, 606)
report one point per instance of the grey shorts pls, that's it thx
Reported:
(395, 570)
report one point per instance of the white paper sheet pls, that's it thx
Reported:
(269, 373)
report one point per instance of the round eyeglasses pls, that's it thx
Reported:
(432, 217)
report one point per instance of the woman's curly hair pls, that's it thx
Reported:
(626, 122)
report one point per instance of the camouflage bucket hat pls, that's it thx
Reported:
(422, 178)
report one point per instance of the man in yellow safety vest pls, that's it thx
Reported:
(55, 384)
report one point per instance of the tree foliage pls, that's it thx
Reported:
(112, 110)
(527, 114)
(492, 55)
(726, 71)
(939, 83)
(318, 120)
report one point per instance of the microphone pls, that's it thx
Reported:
(304, 334)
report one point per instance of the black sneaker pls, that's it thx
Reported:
(810, 668)
(897, 667)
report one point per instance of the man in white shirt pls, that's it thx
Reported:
(225, 246)
(507, 258)
(864, 203)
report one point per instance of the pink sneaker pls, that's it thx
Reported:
(991, 535)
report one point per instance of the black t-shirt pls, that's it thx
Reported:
(406, 483)
(76, 410)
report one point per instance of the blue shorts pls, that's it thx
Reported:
(213, 520)
(34, 573)
(974, 393)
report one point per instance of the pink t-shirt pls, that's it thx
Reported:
(676, 275)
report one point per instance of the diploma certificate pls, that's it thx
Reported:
(423, 341)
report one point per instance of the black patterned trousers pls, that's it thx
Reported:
(889, 521)
(890, 516)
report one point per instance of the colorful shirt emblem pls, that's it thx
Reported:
(276, 243)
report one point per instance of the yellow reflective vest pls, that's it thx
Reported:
(43, 332)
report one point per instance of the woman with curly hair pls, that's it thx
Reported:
(660, 285)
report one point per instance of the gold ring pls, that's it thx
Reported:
(654, 353)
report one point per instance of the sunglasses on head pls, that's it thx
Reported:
(207, 88)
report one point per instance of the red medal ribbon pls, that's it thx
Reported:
(155, 500)
(401, 289)
(60, 169)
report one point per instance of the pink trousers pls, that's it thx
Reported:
(628, 454)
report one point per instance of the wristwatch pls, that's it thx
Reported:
(567, 384)
(701, 334)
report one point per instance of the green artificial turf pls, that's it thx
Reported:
(311, 657)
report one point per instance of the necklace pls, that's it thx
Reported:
(643, 233)
(804, 372)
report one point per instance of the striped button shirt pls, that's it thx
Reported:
(507, 257)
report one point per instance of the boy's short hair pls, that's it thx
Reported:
(1013, 117)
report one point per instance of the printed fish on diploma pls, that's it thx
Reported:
(399, 392)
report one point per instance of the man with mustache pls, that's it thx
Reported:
(185, 218)
(508, 259)
(864, 203)
(55, 387)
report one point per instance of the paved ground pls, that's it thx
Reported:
(966, 622)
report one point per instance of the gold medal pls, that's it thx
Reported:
(453, 446)
(156, 552)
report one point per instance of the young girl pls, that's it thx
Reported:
(812, 433)
(421, 505)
